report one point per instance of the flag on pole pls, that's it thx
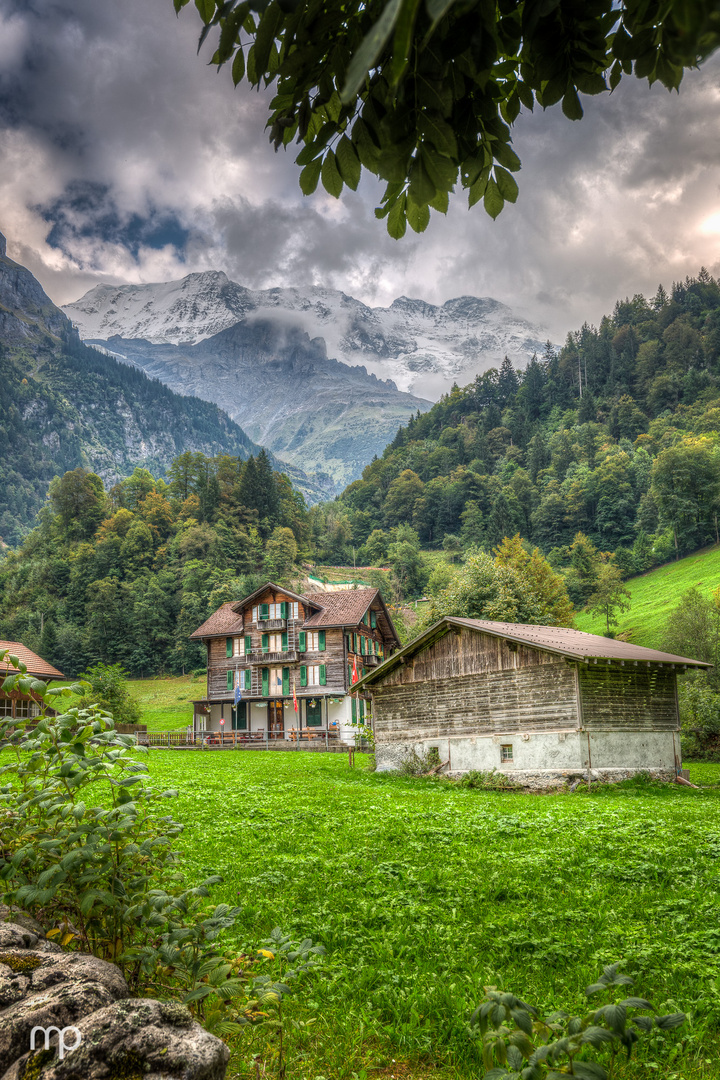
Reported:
(238, 695)
(355, 676)
(295, 700)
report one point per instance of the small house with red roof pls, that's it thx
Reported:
(282, 663)
(16, 704)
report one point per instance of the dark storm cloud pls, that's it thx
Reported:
(126, 158)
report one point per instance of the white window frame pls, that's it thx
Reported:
(275, 643)
(255, 613)
(506, 753)
(313, 674)
(275, 682)
(312, 641)
(6, 706)
(239, 646)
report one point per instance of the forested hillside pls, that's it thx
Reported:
(126, 575)
(616, 437)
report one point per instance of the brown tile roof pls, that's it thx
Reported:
(34, 663)
(223, 621)
(343, 608)
(575, 644)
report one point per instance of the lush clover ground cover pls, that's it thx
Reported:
(423, 893)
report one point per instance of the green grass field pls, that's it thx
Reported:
(424, 892)
(166, 702)
(656, 594)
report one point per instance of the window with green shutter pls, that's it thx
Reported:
(283, 610)
(355, 643)
(349, 682)
(303, 641)
(362, 710)
(373, 619)
(230, 679)
(362, 646)
(228, 646)
(239, 717)
(303, 675)
(284, 641)
(266, 682)
(248, 678)
(248, 643)
(323, 675)
(286, 681)
(321, 641)
(264, 611)
(353, 707)
(265, 642)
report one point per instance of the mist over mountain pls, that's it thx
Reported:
(423, 348)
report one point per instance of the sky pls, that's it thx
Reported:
(124, 157)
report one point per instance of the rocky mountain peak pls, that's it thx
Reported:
(3, 246)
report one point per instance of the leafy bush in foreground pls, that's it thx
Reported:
(530, 1047)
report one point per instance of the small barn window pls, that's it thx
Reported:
(506, 752)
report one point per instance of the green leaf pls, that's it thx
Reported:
(348, 163)
(206, 9)
(331, 178)
(402, 44)
(309, 176)
(615, 74)
(418, 215)
(238, 67)
(571, 104)
(506, 184)
(422, 188)
(477, 190)
(370, 49)
(267, 28)
(436, 9)
(672, 1020)
(437, 131)
(397, 222)
(505, 155)
(589, 1070)
(493, 200)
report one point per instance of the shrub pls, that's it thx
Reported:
(107, 688)
(417, 764)
(519, 1044)
(489, 781)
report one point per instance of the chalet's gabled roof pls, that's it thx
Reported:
(332, 609)
(572, 644)
(34, 663)
(346, 608)
(223, 621)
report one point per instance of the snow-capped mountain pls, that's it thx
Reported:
(422, 347)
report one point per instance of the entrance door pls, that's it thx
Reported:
(275, 719)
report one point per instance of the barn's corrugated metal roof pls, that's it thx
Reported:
(34, 663)
(573, 644)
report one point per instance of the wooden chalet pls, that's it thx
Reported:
(277, 649)
(536, 701)
(15, 704)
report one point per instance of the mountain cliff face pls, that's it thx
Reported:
(281, 387)
(422, 347)
(63, 405)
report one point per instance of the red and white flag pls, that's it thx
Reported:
(295, 700)
(355, 676)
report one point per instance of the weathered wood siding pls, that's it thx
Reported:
(527, 699)
(472, 683)
(618, 697)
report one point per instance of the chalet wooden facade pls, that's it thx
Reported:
(277, 649)
(16, 704)
(535, 701)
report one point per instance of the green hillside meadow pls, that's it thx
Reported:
(655, 595)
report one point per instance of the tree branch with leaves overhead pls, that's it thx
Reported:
(423, 93)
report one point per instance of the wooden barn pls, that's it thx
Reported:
(538, 702)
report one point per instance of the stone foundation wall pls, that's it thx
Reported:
(120, 1038)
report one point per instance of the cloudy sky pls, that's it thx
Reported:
(125, 158)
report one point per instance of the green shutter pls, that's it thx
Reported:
(284, 641)
(266, 682)
(228, 646)
(229, 679)
(323, 675)
(264, 611)
(355, 643)
(248, 643)
(303, 675)
(362, 646)
(241, 716)
(362, 710)
(283, 610)
(321, 641)
(265, 642)
(303, 641)
(373, 620)
(286, 681)
(248, 678)
(349, 682)
(353, 706)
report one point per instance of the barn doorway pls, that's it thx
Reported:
(276, 723)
